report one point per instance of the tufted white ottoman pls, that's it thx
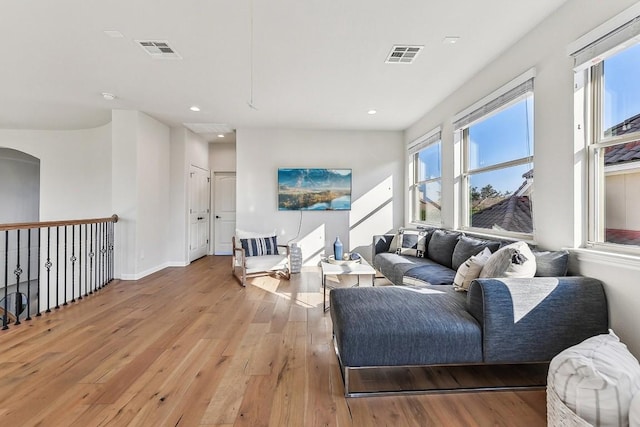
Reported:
(592, 384)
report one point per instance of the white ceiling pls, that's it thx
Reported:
(316, 63)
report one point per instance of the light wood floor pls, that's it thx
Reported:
(190, 347)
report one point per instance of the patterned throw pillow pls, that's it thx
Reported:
(260, 246)
(412, 242)
(470, 270)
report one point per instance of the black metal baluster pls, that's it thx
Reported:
(18, 273)
(104, 253)
(98, 284)
(86, 248)
(28, 275)
(73, 260)
(39, 261)
(65, 267)
(80, 260)
(5, 318)
(99, 255)
(48, 265)
(91, 255)
(103, 242)
(58, 267)
(111, 247)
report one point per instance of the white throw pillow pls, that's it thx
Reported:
(597, 380)
(470, 270)
(514, 260)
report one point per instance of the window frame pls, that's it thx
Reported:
(597, 142)
(473, 115)
(413, 152)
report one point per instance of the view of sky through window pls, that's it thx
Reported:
(504, 136)
(621, 86)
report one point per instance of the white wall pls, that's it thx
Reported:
(187, 148)
(75, 170)
(141, 186)
(559, 191)
(222, 157)
(153, 201)
(377, 163)
(19, 187)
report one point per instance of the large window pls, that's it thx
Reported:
(425, 186)
(497, 166)
(613, 125)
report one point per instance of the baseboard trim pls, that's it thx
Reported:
(145, 273)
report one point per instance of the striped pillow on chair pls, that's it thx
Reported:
(260, 246)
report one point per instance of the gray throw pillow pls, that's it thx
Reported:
(441, 246)
(468, 247)
(551, 263)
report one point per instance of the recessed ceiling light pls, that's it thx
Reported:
(194, 108)
(451, 39)
(372, 112)
(108, 96)
(220, 135)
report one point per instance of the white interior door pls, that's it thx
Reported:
(224, 188)
(199, 200)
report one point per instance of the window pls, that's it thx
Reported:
(497, 166)
(610, 68)
(425, 186)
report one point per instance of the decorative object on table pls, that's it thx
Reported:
(346, 256)
(295, 257)
(332, 260)
(314, 189)
(337, 249)
(354, 256)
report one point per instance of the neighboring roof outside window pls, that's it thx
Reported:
(623, 153)
(513, 213)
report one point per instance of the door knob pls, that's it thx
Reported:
(199, 218)
(217, 216)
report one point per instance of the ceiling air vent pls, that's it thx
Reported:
(403, 54)
(208, 127)
(159, 49)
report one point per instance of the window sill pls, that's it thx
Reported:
(614, 259)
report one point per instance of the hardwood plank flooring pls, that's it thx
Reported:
(190, 347)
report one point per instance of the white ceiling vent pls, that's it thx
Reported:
(403, 54)
(208, 127)
(159, 49)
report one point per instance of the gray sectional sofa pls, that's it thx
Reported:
(498, 321)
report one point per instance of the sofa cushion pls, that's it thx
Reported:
(514, 260)
(470, 270)
(389, 325)
(393, 266)
(469, 246)
(412, 242)
(441, 246)
(551, 263)
(430, 273)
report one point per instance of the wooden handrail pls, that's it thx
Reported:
(28, 225)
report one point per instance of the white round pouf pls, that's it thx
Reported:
(595, 380)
